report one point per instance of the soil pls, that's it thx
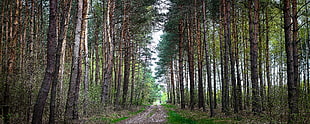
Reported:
(154, 114)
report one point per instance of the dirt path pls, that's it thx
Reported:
(154, 114)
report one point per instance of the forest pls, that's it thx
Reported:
(97, 61)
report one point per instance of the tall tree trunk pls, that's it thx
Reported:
(290, 45)
(181, 40)
(110, 29)
(191, 66)
(269, 104)
(232, 55)
(50, 68)
(221, 37)
(119, 75)
(133, 70)
(59, 68)
(296, 47)
(172, 82)
(237, 90)
(208, 63)
(199, 60)
(86, 60)
(11, 59)
(74, 79)
(2, 34)
(126, 40)
(253, 30)
(214, 64)
(226, 19)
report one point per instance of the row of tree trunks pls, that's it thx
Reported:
(12, 38)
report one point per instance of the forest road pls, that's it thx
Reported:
(154, 114)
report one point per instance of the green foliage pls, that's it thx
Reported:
(167, 50)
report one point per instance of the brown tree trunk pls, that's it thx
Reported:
(59, 68)
(50, 68)
(214, 64)
(70, 112)
(110, 55)
(191, 66)
(208, 63)
(226, 18)
(221, 37)
(232, 55)
(290, 49)
(133, 70)
(269, 103)
(296, 47)
(11, 59)
(126, 40)
(172, 82)
(253, 30)
(86, 60)
(2, 34)
(181, 40)
(119, 75)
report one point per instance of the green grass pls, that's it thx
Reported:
(118, 119)
(169, 106)
(175, 118)
(212, 121)
(192, 117)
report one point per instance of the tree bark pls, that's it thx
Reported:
(110, 40)
(84, 37)
(172, 82)
(191, 66)
(74, 79)
(208, 63)
(267, 61)
(201, 98)
(50, 68)
(253, 30)
(214, 65)
(12, 36)
(290, 49)
(226, 15)
(181, 40)
(126, 40)
(59, 68)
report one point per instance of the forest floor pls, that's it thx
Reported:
(172, 114)
(152, 115)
